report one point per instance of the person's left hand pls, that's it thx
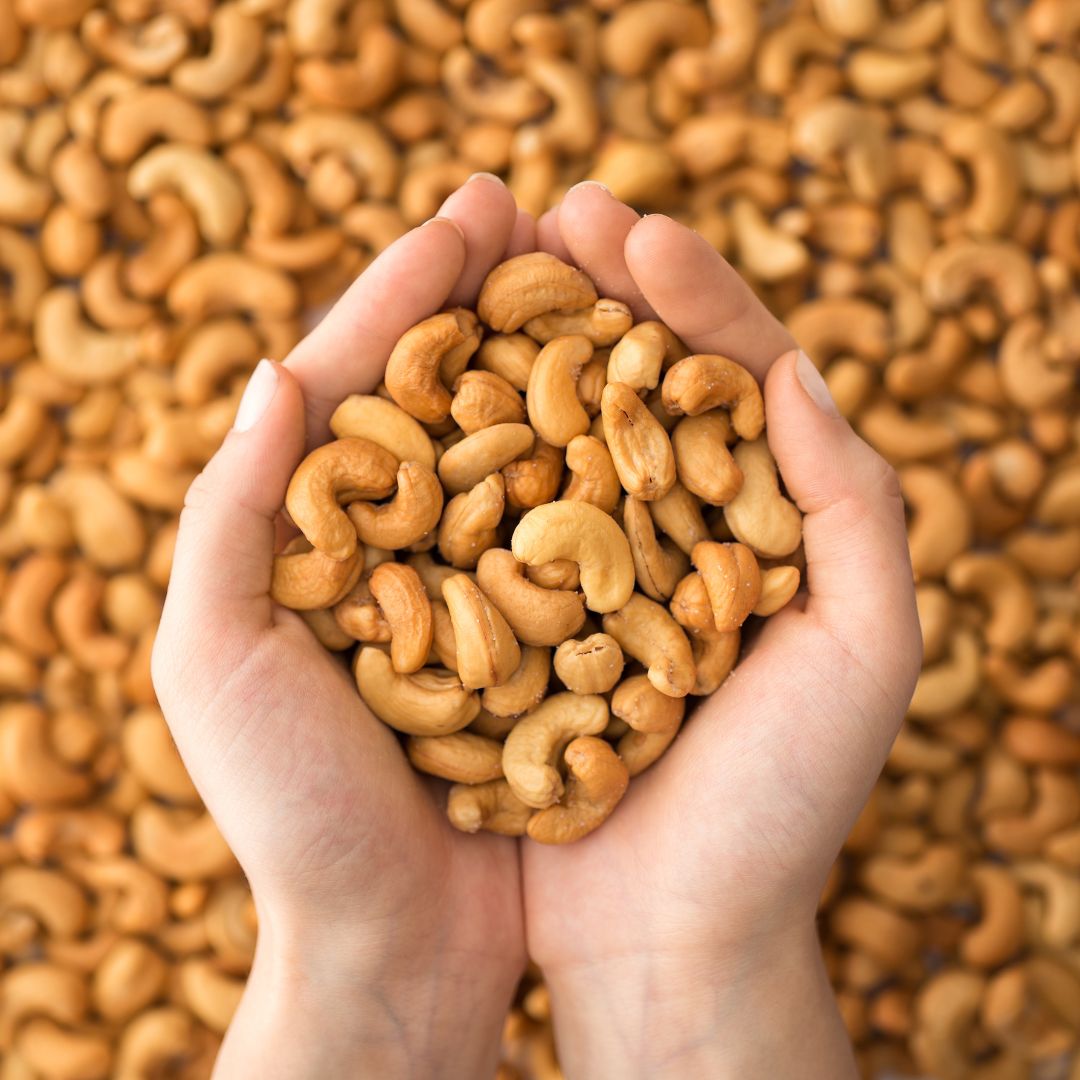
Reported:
(389, 944)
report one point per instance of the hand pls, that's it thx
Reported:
(389, 944)
(678, 940)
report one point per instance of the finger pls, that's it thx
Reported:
(225, 543)
(594, 226)
(859, 575)
(485, 210)
(548, 237)
(346, 353)
(523, 237)
(693, 289)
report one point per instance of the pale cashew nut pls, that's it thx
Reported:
(317, 134)
(413, 370)
(429, 702)
(760, 516)
(602, 324)
(597, 781)
(959, 267)
(555, 410)
(510, 356)
(487, 650)
(580, 532)
(704, 463)
(400, 594)
(659, 565)
(227, 281)
(470, 523)
(778, 585)
(530, 285)
(482, 399)
(593, 478)
(732, 579)
(536, 742)
(855, 133)
(339, 472)
(462, 758)
(642, 353)
(473, 459)
(306, 580)
(592, 665)
(131, 121)
(524, 690)
(639, 446)
(76, 351)
(491, 806)
(412, 513)
(381, 421)
(698, 383)
(646, 631)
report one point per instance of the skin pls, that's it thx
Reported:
(678, 940)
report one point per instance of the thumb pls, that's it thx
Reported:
(859, 573)
(225, 543)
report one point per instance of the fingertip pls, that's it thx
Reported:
(485, 213)
(549, 238)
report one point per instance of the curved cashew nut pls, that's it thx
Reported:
(639, 446)
(1002, 586)
(128, 978)
(555, 410)
(227, 281)
(510, 356)
(536, 741)
(131, 121)
(429, 702)
(339, 472)
(46, 1047)
(153, 759)
(679, 516)
(580, 532)
(640, 355)
(598, 779)
(525, 689)
(759, 515)
(482, 399)
(698, 383)
(839, 127)
(491, 806)
(659, 565)
(462, 758)
(533, 480)
(412, 372)
(645, 709)
(593, 478)
(151, 1041)
(473, 459)
(704, 463)
(176, 845)
(317, 133)
(470, 523)
(487, 651)
(590, 666)
(30, 769)
(211, 995)
(956, 269)
(77, 351)
(732, 580)
(646, 631)
(530, 285)
(306, 580)
(951, 683)
(385, 423)
(633, 39)
(412, 513)
(999, 933)
(602, 324)
(400, 594)
(77, 618)
(236, 41)
(778, 585)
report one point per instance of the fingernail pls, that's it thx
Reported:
(591, 184)
(258, 394)
(486, 176)
(814, 385)
(447, 221)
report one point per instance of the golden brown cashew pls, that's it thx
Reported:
(412, 513)
(958, 268)
(838, 127)
(470, 522)
(429, 702)
(698, 383)
(211, 995)
(492, 807)
(317, 134)
(1001, 585)
(413, 370)
(590, 666)
(647, 632)
(153, 759)
(759, 515)
(373, 417)
(530, 285)
(306, 579)
(537, 740)
(462, 758)
(633, 40)
(602, 324)
(537, 616)
(705, 465)
(482, 399)
(645, 709)
(593, 478)
(473, 459)
(778, 585)
(533, 480)
(151, 1041)
(487, 651)
(128, 978)
(640, 355)
(49, 1049)
(525, 689)
(77, 618)
(732, 579)
(580, 532)
(659, 564)
(597, 781)
(75, 350)
(639, 446)
(510, 356)
(555, 410)
(226, 282)
(30, 769)
(400, 594)
(236, 40)
(131, 121)
(339, 472)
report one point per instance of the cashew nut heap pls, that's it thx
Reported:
(537, 572)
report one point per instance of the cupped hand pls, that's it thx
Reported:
(385, 936)
(668, 927)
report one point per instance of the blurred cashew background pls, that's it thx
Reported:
(183, 181)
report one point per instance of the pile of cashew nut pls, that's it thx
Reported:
(180, 180)
(534, 578)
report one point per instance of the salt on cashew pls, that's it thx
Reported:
(639, 446)
(410, 515)
(703, 461)
(536, 615)
(530, 285)
(592, 665)
(646, 631)
(470, 522)
(462, 758)
(525, 689)
(602, 324)
(593, 478)
(551, 398)
(470, 461)
(400, 594)
(760, 516)
(338, 472)
(487, 651)
(698, 383)
(537, 740)
(413, 370)
(580, 532)
(491, 806)
(428, 702)
(732, 580)
(597, 781)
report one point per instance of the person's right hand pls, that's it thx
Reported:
(678, 939)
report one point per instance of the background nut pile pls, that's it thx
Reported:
(472, 541)
(899, 180)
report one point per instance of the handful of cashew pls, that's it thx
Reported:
(538, 654)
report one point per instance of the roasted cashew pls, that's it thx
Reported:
(642, 353)
(602, 324)
(593, 478)
(597, 781)
(510, 356)
(487, 650)
(778, 585)
(491, 806)
(470, 522)
(461, 758)
(306, 580)
(533, 480)
(698, 383)
(373, 417)
(582, 533)
(411, 515)
(732, 580)
(525, 689)
(590, 666)
(647, 632)
(482, 398)
(400, 594)
(530, 285)
(555, 410)
(429, 702)
(537, 741)
(639, 446)
(658, 564)
(759, 515)
(473, 459)
(704, 463)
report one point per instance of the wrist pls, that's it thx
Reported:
(764, 1008)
